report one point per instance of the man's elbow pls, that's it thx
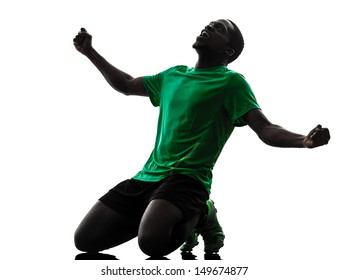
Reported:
(266, 139)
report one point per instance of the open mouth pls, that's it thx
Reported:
(204, 33)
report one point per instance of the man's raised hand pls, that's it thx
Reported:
(83, 41)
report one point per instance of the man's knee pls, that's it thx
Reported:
(84, 242)
(156, 227)
(162, 229)
(80, 241)
(154, 245)
(156, 242)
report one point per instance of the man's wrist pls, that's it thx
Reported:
(90, 53)
(306, 143)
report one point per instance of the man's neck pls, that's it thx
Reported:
(203, 62)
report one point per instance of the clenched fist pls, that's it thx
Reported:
(83, 41)
(317, 137)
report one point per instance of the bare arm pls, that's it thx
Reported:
(275, 135)
(116, 78)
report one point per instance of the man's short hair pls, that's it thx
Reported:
(237, 42)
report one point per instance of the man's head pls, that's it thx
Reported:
(220, 40)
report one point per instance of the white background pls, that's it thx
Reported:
(67, 137)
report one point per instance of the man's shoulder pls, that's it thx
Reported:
(233, 72)
(181, 68)
(236, 77)
(176, 68)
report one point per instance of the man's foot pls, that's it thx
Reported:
(212, 256)
(187, 255)
(95, 256)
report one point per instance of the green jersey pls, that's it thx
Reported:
(198, 110)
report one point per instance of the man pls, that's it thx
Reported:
(199, 108)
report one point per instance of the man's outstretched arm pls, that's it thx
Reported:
(277, 136)
(117, 79)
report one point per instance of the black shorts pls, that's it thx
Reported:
(131, 197)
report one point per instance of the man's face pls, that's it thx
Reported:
(215, 37)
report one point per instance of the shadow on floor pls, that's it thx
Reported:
(95, 256)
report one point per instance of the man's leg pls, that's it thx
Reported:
(104, 228)
(162, 229)
(190, 243)
(212, 234)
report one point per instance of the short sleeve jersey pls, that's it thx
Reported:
(198, 110)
